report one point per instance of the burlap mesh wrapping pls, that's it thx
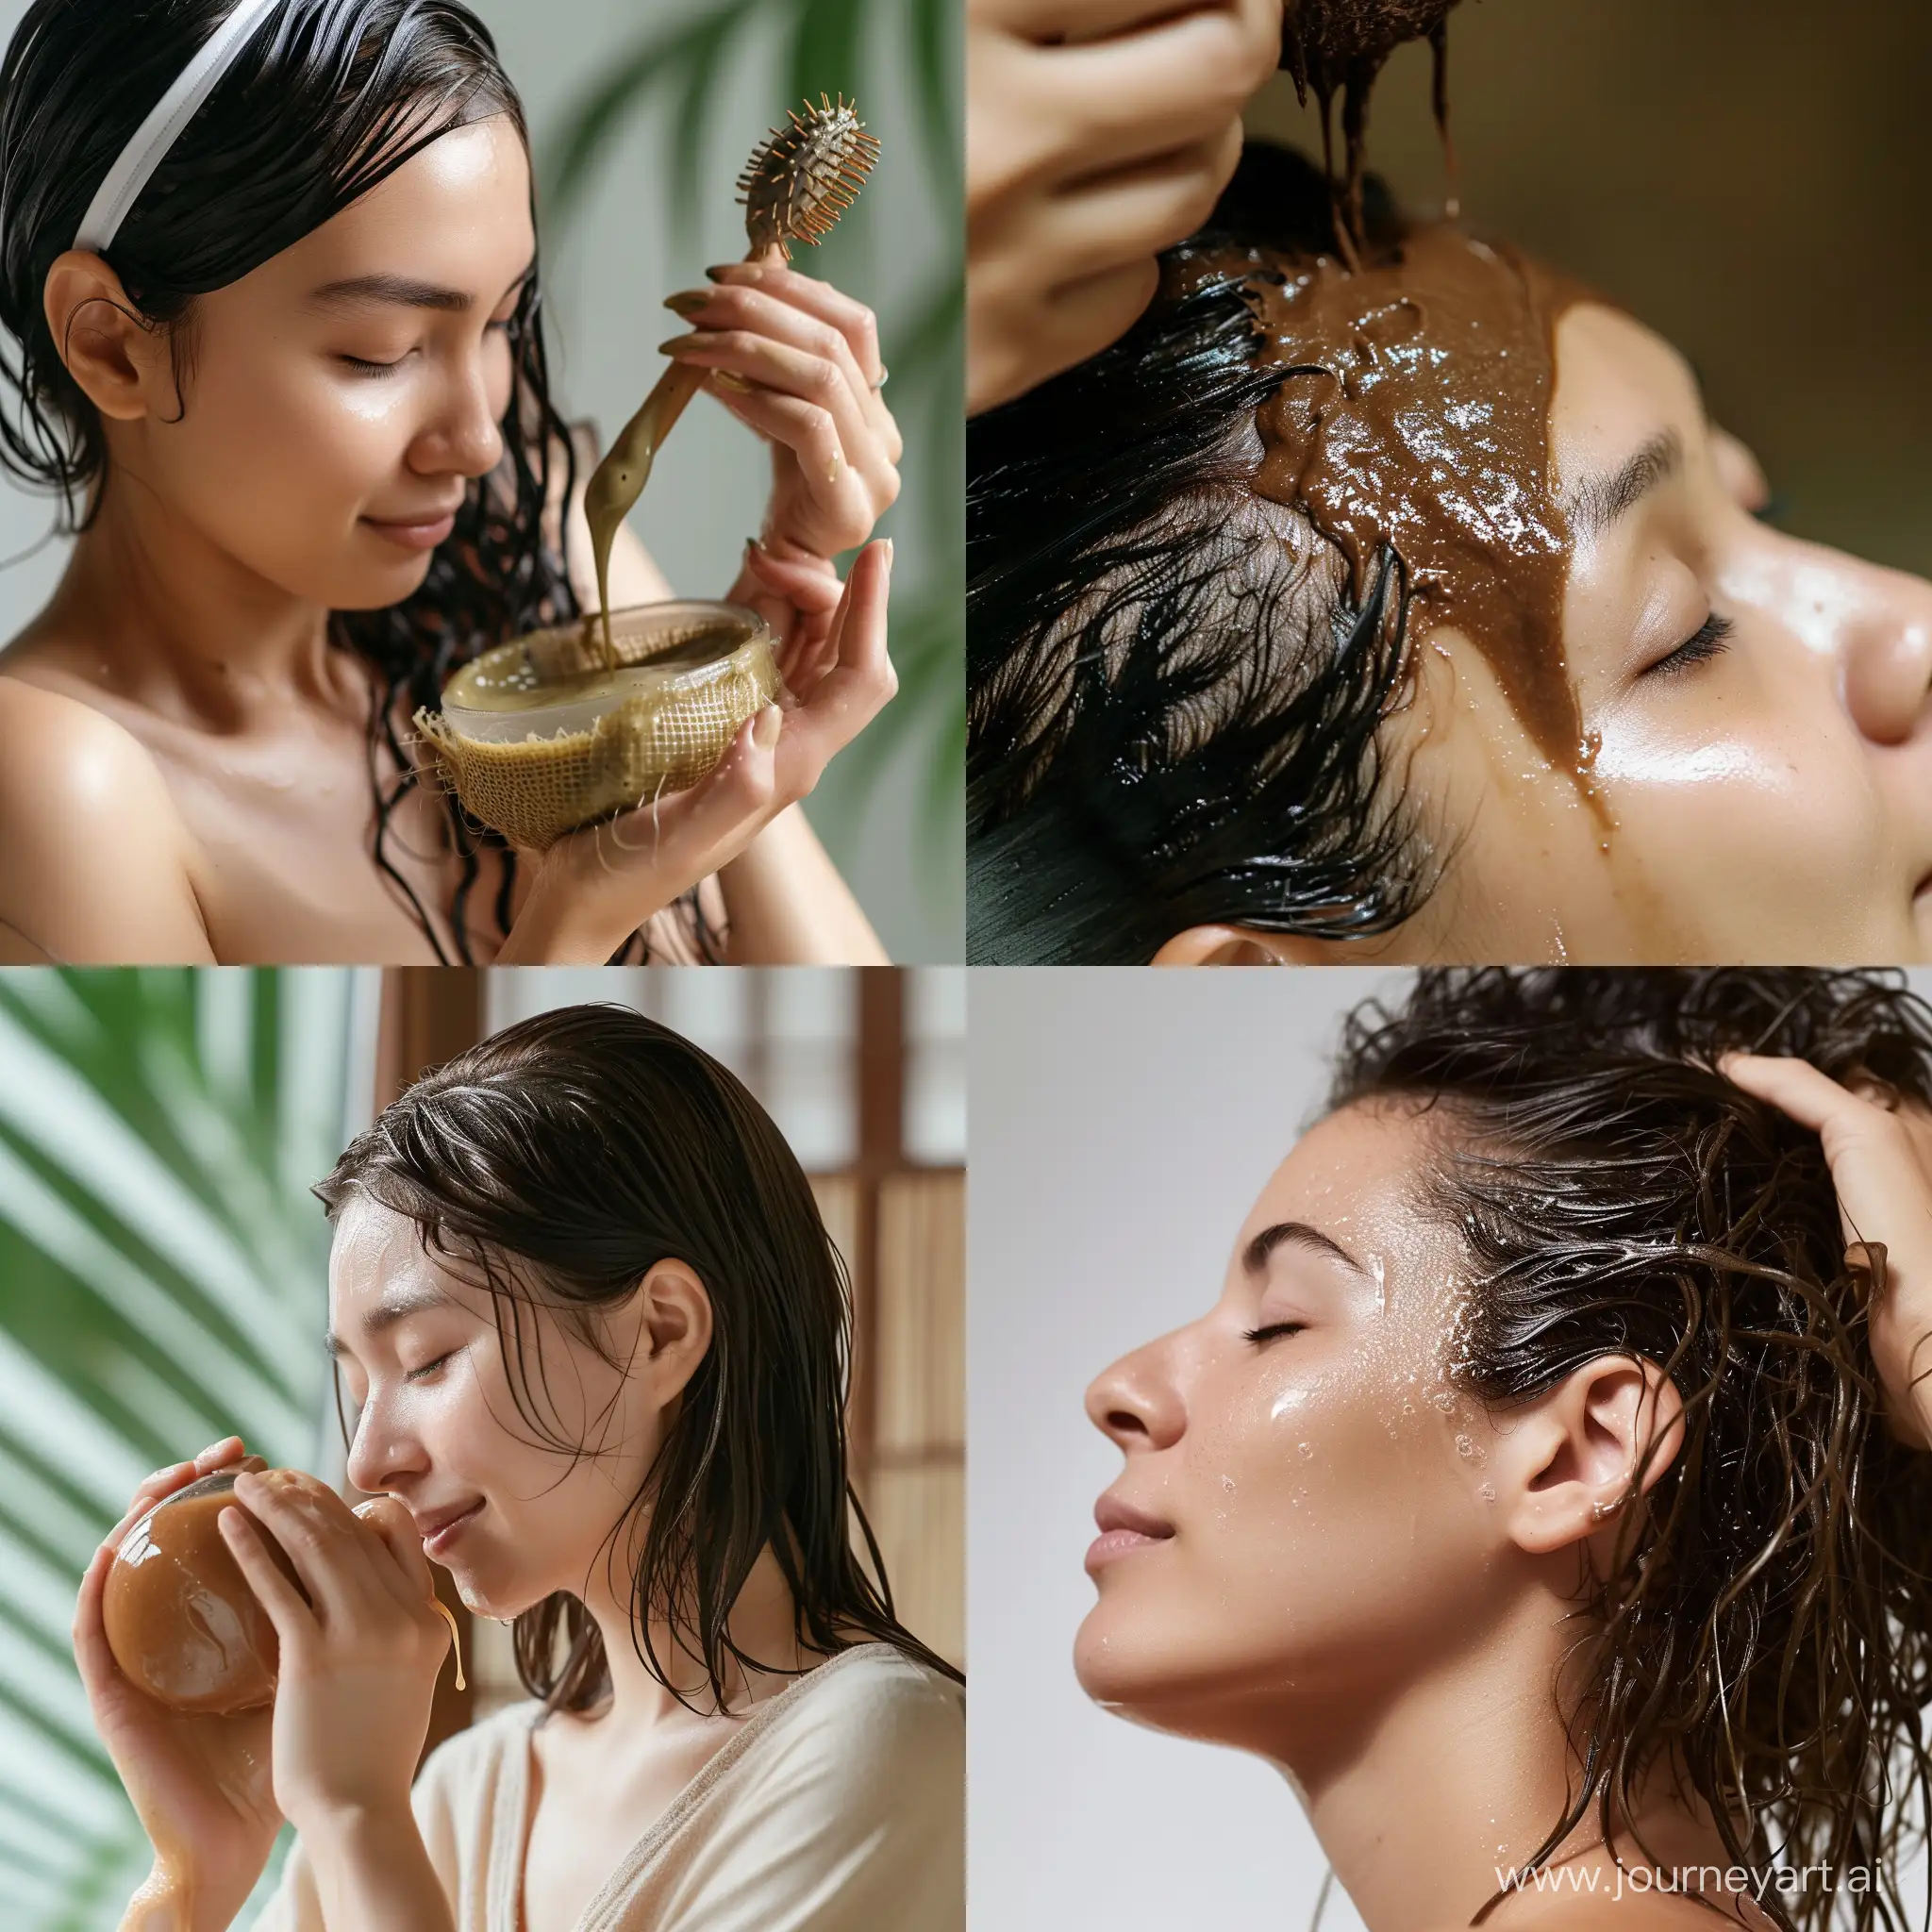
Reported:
(535, 789)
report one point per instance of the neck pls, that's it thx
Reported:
(1425, 1800)
(178, 624)
(760, 1626)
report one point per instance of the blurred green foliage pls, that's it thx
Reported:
(162, 1269)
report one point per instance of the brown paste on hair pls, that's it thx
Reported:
(1415, 412)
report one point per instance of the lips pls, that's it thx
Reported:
(1124, 1531)
(439, 1528)
(415, 533)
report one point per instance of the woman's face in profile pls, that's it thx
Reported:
(1765, 757)
(1310, 1492)
(512, 1516)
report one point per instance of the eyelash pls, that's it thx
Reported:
(430, 1368)
(1711, 638)
(377, 370)
(1271, 1330)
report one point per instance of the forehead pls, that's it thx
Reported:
(1357, 1174)
(374, 1250)
(1618, 384)
(457, 213)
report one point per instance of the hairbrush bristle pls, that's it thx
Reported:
(803, 177)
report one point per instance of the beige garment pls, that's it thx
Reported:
(839, 1806)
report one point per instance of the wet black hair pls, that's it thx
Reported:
(1765, 1625)
(327, 99)
(1173, 693)
(555, 1165)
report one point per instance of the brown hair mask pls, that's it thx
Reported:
(1416, 413)
(183, 1624)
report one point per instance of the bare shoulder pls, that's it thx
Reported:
(93, 856)
(1633, 1911)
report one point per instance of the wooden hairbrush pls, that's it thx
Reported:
(799, 181)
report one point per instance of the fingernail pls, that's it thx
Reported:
(889, 553)
(682, 341)
(687, 302)
(727, 378)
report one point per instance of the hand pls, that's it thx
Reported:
(1098, 132)
(360, 1656)
(595, 887)
(1881, 1165)
(199, 1783)
(799, 363)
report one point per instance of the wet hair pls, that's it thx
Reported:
(327, 100)
(1766, 1622)
(1173, 693)
(555, 1165)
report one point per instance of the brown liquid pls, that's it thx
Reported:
(1416, 413)
(1340, 47)
(521, 689)
(182, 1623)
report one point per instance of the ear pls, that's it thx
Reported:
(1243, 945)
(119, 361)
(1569, 1456)
(671, 1309)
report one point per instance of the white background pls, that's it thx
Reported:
(1122, 1122)
(605, 287)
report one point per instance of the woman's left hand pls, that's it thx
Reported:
(359, 1658)
(1880, 1159)
(799, 363)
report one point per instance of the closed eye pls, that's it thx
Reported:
(1710, 640)
(362, 366)
(428, 1369)
(1271, 1330)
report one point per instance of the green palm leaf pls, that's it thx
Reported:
(162, 1270)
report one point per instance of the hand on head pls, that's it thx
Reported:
(1880, 1156)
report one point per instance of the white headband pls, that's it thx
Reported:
(162, 129)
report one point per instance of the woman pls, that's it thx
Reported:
(592, 1331)
(295, 405)
(1215, 719)
(1545, 1476)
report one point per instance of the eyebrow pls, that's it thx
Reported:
(405, 290)
(1297, 1234)
(390, 1310)
(1600, 500)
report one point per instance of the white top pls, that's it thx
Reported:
(838, 1806)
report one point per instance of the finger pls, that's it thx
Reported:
(325, 1547)
(777, 294)
(857, 686)
(1874, 1164)
(808, 583)
(1013, 346)
(1105, 220)
(778, 368)
(281, 1602)
(92, 1651)
(1110, 100)
(406, 1568)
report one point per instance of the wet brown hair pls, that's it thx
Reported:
(555, 1165)
(1767, 1621)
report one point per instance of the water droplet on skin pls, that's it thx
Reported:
(1464, 1446)
(1488, 1492)
(1290, 1399)
(1227, 1484)
(1442, 1399)
(1306, 1448)
(1381, 1284)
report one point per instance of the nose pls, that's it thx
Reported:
(1888, 656)
(1137, 1403)
(382, 1454)
(466, 438)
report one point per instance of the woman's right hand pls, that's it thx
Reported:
(199, 1783)
(594, 887)
(1880, 1159)
(1098, 133)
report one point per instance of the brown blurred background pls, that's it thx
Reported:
(1748, 178)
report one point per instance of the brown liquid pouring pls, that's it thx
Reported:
(181, 1618)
